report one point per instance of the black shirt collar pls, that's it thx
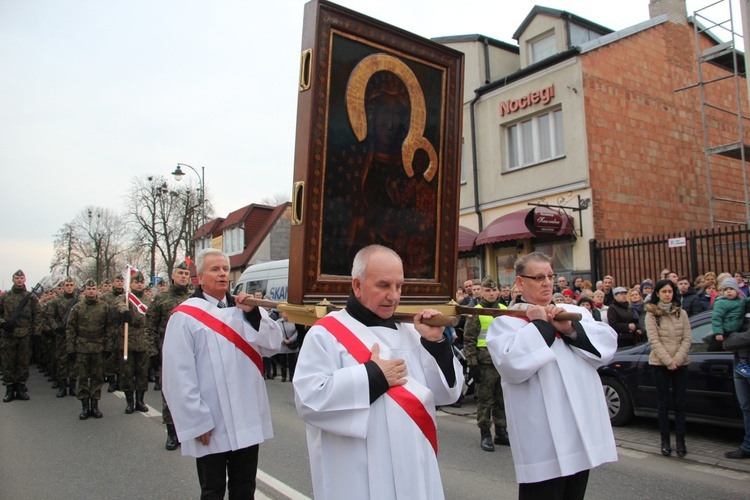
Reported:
(368, 318)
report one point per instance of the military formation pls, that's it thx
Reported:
(77, 338)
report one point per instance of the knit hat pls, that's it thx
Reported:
(558, 296)
(568, 293)
(645, 284)
(730, 283)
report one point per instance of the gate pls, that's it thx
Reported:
(691, 253)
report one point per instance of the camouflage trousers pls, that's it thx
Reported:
(16, 356)
(490, 404)
(49, 359)
(166, 415)
(64, 367)
(134, 372)
(89, 370)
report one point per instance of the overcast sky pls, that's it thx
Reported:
(95, 92)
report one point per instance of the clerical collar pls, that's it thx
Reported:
(521, 299)
(368, 318)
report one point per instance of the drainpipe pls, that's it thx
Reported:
(474, 163)
(486, 60)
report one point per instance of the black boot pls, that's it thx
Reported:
(72, 387)
(129, 405)
(10, 393)
(172, 441)
(21, 392)
(666, 447)
(55, 384)
(139, 404)
(112, 383)
(85, 412)
(501, 436)
(95, 409)
(157, 386)
(680, 445)
(486, 442)
(63, 389)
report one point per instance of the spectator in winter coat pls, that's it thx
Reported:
(707, 294)
(691, 301)
(744, 289)
(621, 318)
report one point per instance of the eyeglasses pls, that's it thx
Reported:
(541, 277)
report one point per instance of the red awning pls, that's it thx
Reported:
(512, 226)
(466, 239)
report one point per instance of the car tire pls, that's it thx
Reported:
(619, 404)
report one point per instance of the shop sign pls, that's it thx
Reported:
(545, 221)
(543, 96)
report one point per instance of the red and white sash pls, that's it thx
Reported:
(219, 326)
(142, 308)
(402, 395)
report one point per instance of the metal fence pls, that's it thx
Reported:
(691, 253)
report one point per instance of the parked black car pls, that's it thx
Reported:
(629, 387)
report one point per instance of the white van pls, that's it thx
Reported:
(270, 278)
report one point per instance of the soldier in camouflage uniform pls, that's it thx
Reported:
(156, 324)
(114, 298)
(490, 405)
(18, 324)
(58, 312)
(134, 370)
(47, 361)
(88, 335)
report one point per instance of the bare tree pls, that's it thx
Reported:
(165, 219)
(277, 199)
(67, 260)
(101, 241)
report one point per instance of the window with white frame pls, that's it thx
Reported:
(535, 140)
(543, 48)
(234, 240)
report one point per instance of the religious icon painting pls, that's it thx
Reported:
(377, 155)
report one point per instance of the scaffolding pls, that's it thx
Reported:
(726, 55)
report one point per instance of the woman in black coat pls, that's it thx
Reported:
(622, 319)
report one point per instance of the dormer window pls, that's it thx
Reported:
(543, 47)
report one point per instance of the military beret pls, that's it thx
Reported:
(19, 273)
(138, 277)
(90, 282)
(106, 281)
(160, 281)
(62, 282)
(182, 265)
(488, 282)
(119, 276)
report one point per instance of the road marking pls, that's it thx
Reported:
(718, 471)
(280, 487)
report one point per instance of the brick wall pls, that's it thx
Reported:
(646, 148)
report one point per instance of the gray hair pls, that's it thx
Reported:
(533, 256)
(363, 257)
(201, 259)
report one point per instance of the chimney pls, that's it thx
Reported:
(675, 9)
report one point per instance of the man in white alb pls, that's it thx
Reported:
(212, 379)
(367, 388)
(557, 417)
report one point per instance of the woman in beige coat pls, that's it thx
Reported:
(668, 330)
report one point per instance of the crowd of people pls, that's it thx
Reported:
(363, 375)
(653, 311)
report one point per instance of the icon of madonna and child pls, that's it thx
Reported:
(382, 171)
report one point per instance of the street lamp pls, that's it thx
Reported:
(178, 175)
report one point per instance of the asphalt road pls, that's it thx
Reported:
(47, 453)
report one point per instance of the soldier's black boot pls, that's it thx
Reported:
(85, 412)
(157, 385)
(10, 393)
(172, 440)
(139, 404)
(55, 384)
(129, 405)
(112, 384)
(21, 392)
(63, 389)
(94, 411)
(501, 436)
(486, 442)
(72, 387)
